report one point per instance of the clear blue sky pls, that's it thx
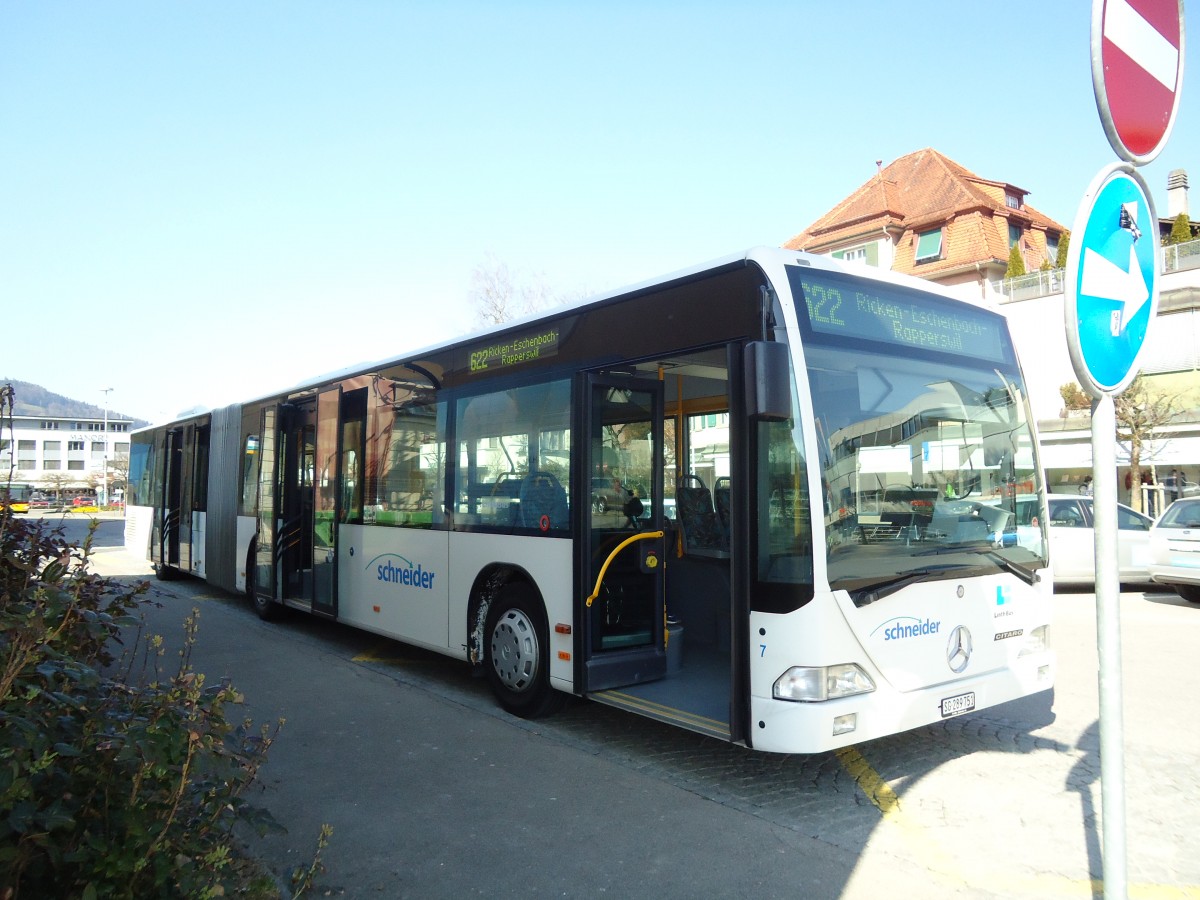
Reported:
(200, 202)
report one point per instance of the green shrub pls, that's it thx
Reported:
(1181, 231)
(1064, 251)
(1074, 397)
(115, 779)
(1016, 263)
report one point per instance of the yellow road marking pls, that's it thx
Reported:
(926, 848)
(377, 655)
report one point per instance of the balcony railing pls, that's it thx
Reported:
(1176, 258)
(1028, 287)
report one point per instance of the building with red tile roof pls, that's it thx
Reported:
(925, 215)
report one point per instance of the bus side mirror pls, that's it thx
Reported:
(768, 381)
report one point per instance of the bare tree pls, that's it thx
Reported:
(56, 482)
(1140, 409)
(118, 468)
(499, 294)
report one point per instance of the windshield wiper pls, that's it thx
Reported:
(1006, 564)
(877, 591)
(1002, 562)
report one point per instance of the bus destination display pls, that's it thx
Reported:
(855, 310)
(518, 350)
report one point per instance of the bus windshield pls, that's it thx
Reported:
(927, 458)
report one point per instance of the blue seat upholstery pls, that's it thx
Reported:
(702, 533)
(542, 495)
(721, 499)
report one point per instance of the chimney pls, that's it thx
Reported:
(1177, 191)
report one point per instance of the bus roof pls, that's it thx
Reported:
(766, 257)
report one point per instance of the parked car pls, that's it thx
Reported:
(1175, 549)
(1073, 541)
(607, 495)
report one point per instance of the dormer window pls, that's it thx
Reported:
(1011, 200)
(929, 246)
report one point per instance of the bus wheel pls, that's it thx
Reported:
(518, 664)
(163, 572)
(1189, 592)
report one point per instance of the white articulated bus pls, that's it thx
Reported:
(773, 499)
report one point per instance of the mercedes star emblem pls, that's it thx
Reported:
(958, 650)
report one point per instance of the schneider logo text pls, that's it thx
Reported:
(407, 575)
(898, 630)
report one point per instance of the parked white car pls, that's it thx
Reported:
(1175, 549)
(1073, 541)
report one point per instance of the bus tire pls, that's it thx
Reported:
(1189, 592)
(163, 572)
(517, 646)
(266, 609)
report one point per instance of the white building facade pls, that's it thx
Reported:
(1035, 307)
(66, 456)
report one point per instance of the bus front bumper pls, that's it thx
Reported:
(783, 726)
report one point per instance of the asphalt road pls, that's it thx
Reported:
(434, 792)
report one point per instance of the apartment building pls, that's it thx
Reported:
(928, 216)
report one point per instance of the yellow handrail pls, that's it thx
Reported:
(644, 536)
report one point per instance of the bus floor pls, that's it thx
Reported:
(694, 696)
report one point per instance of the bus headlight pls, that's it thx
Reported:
(812, 684)
(1037, 641)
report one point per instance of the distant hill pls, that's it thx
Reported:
(35, 400)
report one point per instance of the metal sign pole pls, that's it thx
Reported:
(1108, 646)
(1137, 72)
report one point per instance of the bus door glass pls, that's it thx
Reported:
(156, 496)
(197, 498)
(172, 496)
(298, 430)
(331, 473)
(268, 505)
(285, 514)
(624, 630)
(183, 484)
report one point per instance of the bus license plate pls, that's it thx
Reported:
(961, 703)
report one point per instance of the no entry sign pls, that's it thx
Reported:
(1137, 71)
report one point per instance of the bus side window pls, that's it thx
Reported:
(503, 438)
(250, 463)
(408, 451)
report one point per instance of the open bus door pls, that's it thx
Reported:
(181, 485)
(326, 512)
(681, 426)
(622, 545)
(300, 492)
(283, 568)
(164, 538)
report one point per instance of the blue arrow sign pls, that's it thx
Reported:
(1112, 280)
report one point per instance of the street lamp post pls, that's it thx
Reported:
(104, 498)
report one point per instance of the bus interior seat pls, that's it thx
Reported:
(721, 499)
(698, 519)
(542, 495)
